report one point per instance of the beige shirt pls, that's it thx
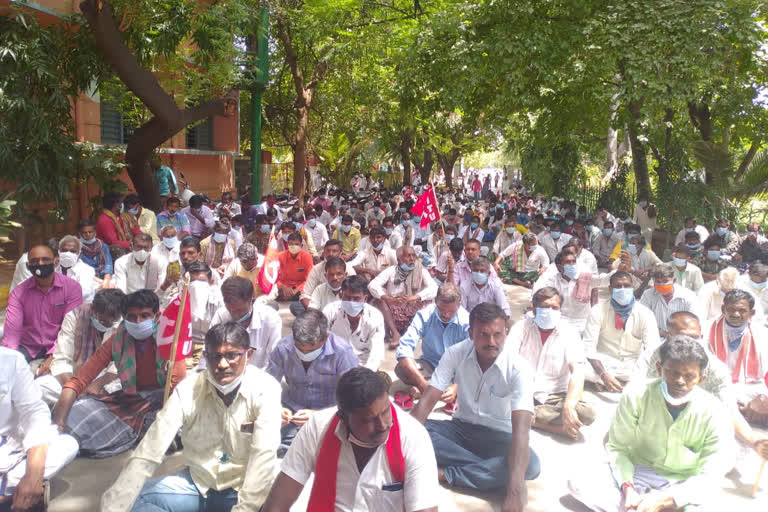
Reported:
(316, 277)
(367, 339)
(322, 296)
(603, 341)
(247, 432)
(369, 259)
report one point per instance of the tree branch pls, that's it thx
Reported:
(747, 159)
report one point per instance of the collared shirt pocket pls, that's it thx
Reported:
(384, 498)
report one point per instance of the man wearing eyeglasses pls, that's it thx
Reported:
(229, 416)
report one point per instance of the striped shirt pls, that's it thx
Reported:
(314, 387)
(683, 299)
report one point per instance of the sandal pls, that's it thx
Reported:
(451, 407)
(404, 400)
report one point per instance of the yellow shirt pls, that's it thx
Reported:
(349, 241)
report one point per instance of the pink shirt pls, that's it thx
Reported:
(477, 186)
(33, 318)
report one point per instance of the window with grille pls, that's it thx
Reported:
(113, 127)
(200, 136)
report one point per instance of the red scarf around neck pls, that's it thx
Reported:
(748, 358)
(323, 495)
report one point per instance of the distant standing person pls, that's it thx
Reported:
(645, 217)
(166, 181)
(486, 186)
(477, 186)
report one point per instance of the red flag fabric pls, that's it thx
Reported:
(268, 274)
(426, 206)
(408, 192)
(167, 325)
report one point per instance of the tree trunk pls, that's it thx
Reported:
(747, 159)
(405, 154)
(447, 162)
(300, 152)
(426, 168)
(639, 163)
(168, 117)
(702, 120)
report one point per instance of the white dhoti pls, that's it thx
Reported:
(62, 449)
(50, 388)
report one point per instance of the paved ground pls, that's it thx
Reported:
(79, 487)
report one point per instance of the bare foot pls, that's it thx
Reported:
(394, 341)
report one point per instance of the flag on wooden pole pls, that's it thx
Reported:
(267, 277)
(426, 206)
(166, 329)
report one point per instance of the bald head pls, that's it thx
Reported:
(684, 323)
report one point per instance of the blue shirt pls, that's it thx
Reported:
(108, 267)
(315, 387)
(435, 336)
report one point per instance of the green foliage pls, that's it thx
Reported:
(7, 224)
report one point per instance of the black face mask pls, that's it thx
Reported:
(41, 271)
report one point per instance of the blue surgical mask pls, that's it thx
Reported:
(713, 255)
(546, 318)
(346, 228)
(245, 317)
(309, 356)
(285, 236)
(140, 330)
(607, 231)
(570, 271)
(352, 308)
(449, 237)
(721, 230)
(643, 204)
(219, 237)
(680, 262)
(479, 278)
(298, 225)
(98, 325)
(170, 241)
(88, 242)
(623, 296)
(265, 228)
(312, 223)
(692, 247)
(378, 247)
(406, 268)
(133, 211)
(758, 286)
(632, 249)
(473, 225)
(555, 234)
(388, 231)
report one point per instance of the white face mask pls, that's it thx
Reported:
(170, 242)
(219, 238)
(362, 444)
(677, 402)
(141, 255)
(198, 292)
(224, 389)
(309, 356)
(68, 259)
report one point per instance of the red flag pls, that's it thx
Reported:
(167, 325)
(268, 274)
(426, 206)
(408, 192)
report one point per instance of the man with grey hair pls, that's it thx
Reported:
(218, 250)
(480, 288)
(438, 326)
(312, 360)
(73, 267)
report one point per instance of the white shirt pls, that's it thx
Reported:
(362, 492)
(23, 414)
(489, 398)
(322, 296)
(400, 230)
(683, 299)
(85, 276)
(264, 330)
(551, 360)
(365, 243)
(701, 230)
(551, 245)
(370, 259)
(367, 339)
(130, 276)
(478, 234)
(395, 240)
(319, 234)
(316, 277)
(534, 261)
(586, 262)
(690, 277)
(384, 284)
(20, 273)
(64, 352)
(571, 308)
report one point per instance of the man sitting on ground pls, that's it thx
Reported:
(667, 296)
(482, 289)
(139, 216)
(485, 446)
(354, 320)
(556, 353)
(71, 266)
(330, 291)
(204, 302)
(617, 331)
(316, 276)
(674, 461)
(462, 272)
(740, 343)
(312, 360)
(94, 252)
(373, 260)
(108, 425)
(603, 245)
(218, 250)
(132, 271)
(31, 450)
(36, 309)
(295, 266)
(688, 275)
(522, 262)
(349, 237)
(438, 326)
(365, 455)
(261, 321)
(229, 418)
(173, 215)
(83, 330)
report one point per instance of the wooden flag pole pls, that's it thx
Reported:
(176, 333)
(439, 213)
(757, 481)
